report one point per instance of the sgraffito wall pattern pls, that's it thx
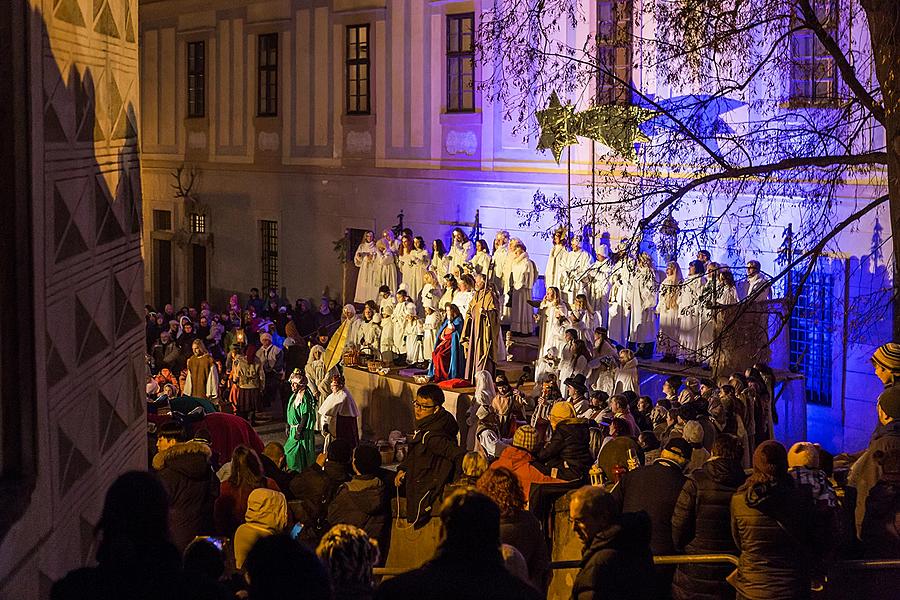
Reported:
(88, 281)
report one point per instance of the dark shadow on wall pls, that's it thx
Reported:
(87, 228)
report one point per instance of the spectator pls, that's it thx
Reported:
(518, 527)
(315, 487)
(349, 555)
(246, 475)
(271, 358)
(363, 501)
(135, 559)
(654, 489)
(433, 456)
(616, 560)
(274, 463)
(866, 471)
(771, 526)
(567, 455)
(277, 567)
(467, 563)
(188, 478)
(621, 410)
(518, 458)
(642, 414)
(266, 515)
(880, 535)
(204, 563)
(473, 465)
(693, 435)
(700, 524)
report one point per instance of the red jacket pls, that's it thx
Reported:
(519, 462)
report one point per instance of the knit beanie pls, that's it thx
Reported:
(770, 458)
(888, 356)
(366, 459)
(526, 438)
(889, 400)
(693, 433)
(803, 454)
(562, 410)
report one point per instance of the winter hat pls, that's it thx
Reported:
(679, 446)
(770, 459)
(803, 454)
(526, 438)
(562, 410)
(339, 451)
(888, 356)
(693, 433)
(889, 401)
(366, 459)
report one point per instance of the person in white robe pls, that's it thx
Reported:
(669, 314)
(604, 364)
(464, 295)
(433, 319)
(365, 258)
(431, 292)
(484, 395)
(599, 282)
(620, 298)
(370, 330)
(339, 414)
(757, 286)
(627, 373)
(522, 275)
(354, 326)
(578, 264)
(319, 379)
(399, 321)
(451, 287)
(709, 298)
(644, 291)
(414, 331)
(575, 357)
(387, 265)
(553, 319)
(440, 260)
(557, 261)
(407, 262)
(689, 307)
(392, 243)
(481, 261)
(419, 262)
(583, 319)
(461, 249)
(500, 278)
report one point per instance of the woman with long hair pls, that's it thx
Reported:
(481, 261)
(440, 261)
(246, 475)
(447, 356)
(669, 314)
(349, 555)
(461, 249)
(366, 259)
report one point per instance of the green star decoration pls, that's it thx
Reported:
(556, 122)
(616, 126)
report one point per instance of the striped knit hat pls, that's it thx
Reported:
(526, 438)
(888, 357)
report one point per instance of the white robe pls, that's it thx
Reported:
(481, 262)
(605, 362)
(211, 385)
(430, 327)
(584, 322)
(387, 269)
(555, 271)
(644, 298)
(522, 275)
(462, 300)
(600, 281)
(578, 262)
(689, 307)
(430, 296)
(669, 318)
(460, 254)
(414, 331)
(440, 264)
(627, 378)
(501, 280)
(413, 265)
(619, 301)
(554, 322)
(369, 273)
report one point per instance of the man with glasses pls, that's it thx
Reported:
(758, 287)
(434, 455)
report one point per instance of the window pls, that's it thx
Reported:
(357, 69)
(198, 223)
(460, 63)
(196, 84)
(811, 332)
(269, 238)
(614, 51)
(162, 220)
(267, 97)
(813, 75)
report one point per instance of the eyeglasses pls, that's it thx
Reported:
(424, 406)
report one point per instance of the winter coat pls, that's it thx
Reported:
(653, 489)
(231, 506)
(461, 573)
(363, 502)
(432, 461)
(523, 532)
(569, 450)
(192, 487)
(866, 471)
(519, 462)
(701, 525)
(266, 515)
(772, 528)
(313, 490)
(616, 564)
(881, 528)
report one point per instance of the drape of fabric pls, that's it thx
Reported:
(447, 356)
(366, 280)
(644, 298)
(480, 329)
(300, 445)
(555, 271)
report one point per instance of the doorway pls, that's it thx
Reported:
(162, 272)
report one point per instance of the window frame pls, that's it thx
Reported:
(803, 74)
(196, 79)
(614, 91)
(267, 75)
(456, 58)
(352, 66)
(268, 244)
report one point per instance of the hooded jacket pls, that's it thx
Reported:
(192, 487)
(519, 462)
(433, 458)
(266, 515)
(771, 527)
(363, 502)
(569, 450)
(866, 471)
(616, 564)
(701, 525)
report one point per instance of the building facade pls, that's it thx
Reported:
(303, 119)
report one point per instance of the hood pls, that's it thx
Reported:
(760, 494)
(725, 472)
(440, 422)
(367, 494)
(266, 509)
(189, 458)
(517, 457)
(892, 428)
